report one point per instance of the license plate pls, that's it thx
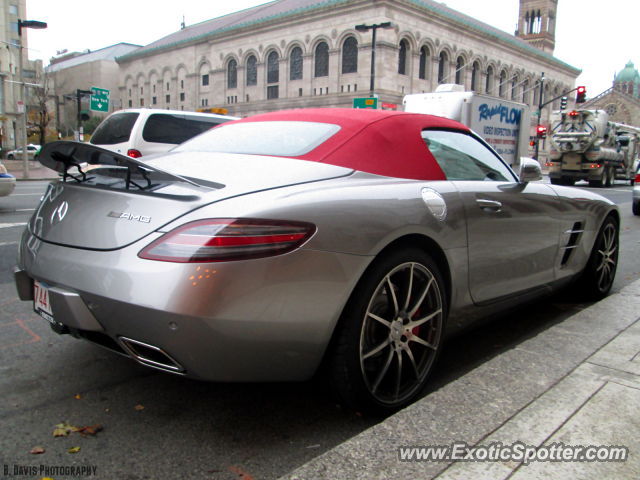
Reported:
(41, 303)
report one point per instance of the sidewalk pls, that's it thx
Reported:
(577, 383)
(36, 171)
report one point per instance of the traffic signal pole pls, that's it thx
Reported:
(540, 105)
(79, 94)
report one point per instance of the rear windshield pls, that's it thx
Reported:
(115, 129)
(176, 129)
(280, 139)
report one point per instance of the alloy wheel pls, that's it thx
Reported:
(401, 333)
(607, 257)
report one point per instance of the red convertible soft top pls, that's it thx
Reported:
(375, 141)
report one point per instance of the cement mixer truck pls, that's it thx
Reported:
(585, 145)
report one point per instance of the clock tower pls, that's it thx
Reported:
(537, 23)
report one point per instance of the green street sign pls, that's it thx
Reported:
(99, 100)
(366, 102)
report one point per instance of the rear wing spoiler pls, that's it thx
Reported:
(63, 155)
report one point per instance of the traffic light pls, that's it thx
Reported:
(581, 97)
(542, 131)
(563, 103)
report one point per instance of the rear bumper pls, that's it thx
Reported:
(257, 320)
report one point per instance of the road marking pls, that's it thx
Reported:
(7, 225)
(26, 194)
(8, 243)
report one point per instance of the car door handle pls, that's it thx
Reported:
(489, 205)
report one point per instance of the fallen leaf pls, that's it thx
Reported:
(90, 430)
(107, 410)
(78, 396)
(358, 414)
(37, 450)
(628, 278)
(64, 429)
(74, 450)
(139, 407)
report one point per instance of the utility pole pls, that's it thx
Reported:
(364, 29)
(25, 24)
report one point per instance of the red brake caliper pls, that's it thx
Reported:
(415, 330)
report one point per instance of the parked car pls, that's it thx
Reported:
(142, 132)
(350, 242)
(32, 150)
(635, 205)
(7, 182)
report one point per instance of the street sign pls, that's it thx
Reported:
(99, 100)
(366, 102)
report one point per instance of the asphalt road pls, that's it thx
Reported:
(192, 429)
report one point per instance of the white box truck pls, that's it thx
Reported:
(503, 124)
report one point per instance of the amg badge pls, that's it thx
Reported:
(130, 216)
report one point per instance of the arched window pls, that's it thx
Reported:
(536, 94)
(459, 67)
(442, 67)
(273, 68)
(502, 87)
(555, 102)
(295, 64)
(424, 56)
(514, 87)
(525, 91)
(252, 71)
(232, 74)
(474, 76)
(322, 60)
(489, 79)
(402, 57)
(350, 55)
(630, 89)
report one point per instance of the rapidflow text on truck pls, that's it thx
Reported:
(585, 145)
(503, 124)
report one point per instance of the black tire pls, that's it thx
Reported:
(596, 183)
(10, 157)
(569, 182)
(380, 356)
(608, 174)
(635, 207)
(600, 272)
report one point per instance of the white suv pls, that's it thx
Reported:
(142, 132)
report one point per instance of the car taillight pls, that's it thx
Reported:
(228, 239)
(637, 180)
(134, 153)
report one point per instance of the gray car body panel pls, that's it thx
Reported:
(271, 319)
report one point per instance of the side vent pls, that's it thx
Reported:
(571, 239)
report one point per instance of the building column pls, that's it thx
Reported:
(283, 89)
(435, 63)
(334, 70)
(307, 74)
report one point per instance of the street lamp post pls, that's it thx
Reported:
(364, 29)
(23, 127)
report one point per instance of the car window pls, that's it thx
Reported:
(462, 157)
(282, 139)
(115, 129)
(177, 129)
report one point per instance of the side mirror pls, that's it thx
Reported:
(530, 170)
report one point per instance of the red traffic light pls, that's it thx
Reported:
(581, 96)
(542, 131)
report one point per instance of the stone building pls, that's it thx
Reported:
(307, 53)
(622, 100)
(82, 71)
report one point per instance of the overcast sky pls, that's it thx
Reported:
(591, 35)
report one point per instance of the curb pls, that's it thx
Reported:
(36, 179)
(477, 404)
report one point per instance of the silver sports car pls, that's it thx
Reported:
(346, 242)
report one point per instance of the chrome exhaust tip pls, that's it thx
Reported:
(150, 356)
